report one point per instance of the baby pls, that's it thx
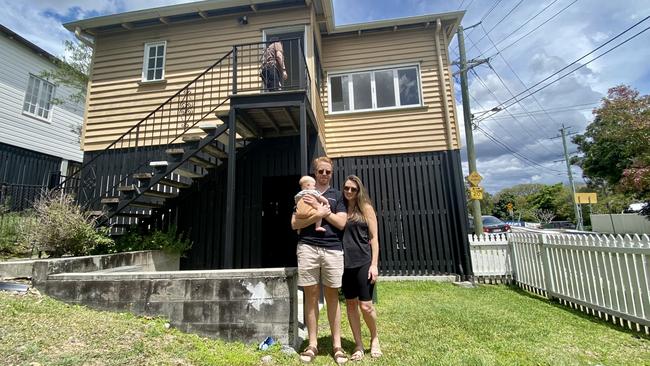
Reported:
(308, 186)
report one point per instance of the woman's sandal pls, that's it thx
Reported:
(357, 355)
(339, 356)
(308, 354)
(375, 353)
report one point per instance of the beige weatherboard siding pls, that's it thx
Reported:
(117, 98)
(411, 129)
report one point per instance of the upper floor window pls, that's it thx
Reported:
(153, 67)
(38, 98)
(375, 89)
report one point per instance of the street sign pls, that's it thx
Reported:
(586, 198)
(476, 193)
(474, 179)
(509, 206)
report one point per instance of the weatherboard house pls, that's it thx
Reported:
(37, 136)
(181, 131)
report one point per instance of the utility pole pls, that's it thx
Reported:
(469, 138)
(576, 208)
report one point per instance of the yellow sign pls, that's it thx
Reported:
(474, 179)
(509, 206)
(476, 193)
(586, 198)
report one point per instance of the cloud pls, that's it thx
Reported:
(524, 128)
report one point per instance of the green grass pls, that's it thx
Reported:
(10, 224)
(420, 323)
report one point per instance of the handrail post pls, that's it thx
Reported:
(234, 70)
(301, 65)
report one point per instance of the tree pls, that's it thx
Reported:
(72, 70)
(544, 216)
(614, 147)
(555, 198)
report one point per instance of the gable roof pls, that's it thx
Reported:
(39, 51)
(214, 8)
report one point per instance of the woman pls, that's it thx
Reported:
(361, 248)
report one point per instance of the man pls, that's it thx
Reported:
(320, 260)
(273, 65)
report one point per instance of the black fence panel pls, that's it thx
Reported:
(421, 210)
(19, 197)
(22, 166)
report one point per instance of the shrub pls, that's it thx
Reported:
(62, 227)
(168, 241)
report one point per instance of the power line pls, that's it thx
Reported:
(501, 106)
(485, 15)
(513, 117)
(516, 154)
(534, 29)
(522, 83)
(522, 25)
(505, 146)
(550, 110)
(499, 22)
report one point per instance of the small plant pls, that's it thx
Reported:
(62, 227)
(169, 241)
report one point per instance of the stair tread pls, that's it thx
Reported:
(187, 173)
(214, 151)
(201, 162)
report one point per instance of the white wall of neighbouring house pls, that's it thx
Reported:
(54, 137)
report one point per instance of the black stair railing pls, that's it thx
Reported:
(198, 101)
(177, 117)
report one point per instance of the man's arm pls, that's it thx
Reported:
(299, 223)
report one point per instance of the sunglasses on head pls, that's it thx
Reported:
(324, 172)
(350, 189)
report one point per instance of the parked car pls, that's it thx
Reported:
(559, 225)
(491, 225)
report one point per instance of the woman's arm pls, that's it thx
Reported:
(338, 220)
(371, 217)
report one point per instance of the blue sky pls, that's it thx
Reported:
(572, 29)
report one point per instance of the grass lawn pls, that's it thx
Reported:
(421, 323)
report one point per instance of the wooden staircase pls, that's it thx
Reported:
(163, 179)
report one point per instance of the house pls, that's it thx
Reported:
(181, 131)
(37, 138)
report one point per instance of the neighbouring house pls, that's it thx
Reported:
(180, 129)
(38, 141)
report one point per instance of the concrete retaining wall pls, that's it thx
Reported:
(38, 270)
(243, 305)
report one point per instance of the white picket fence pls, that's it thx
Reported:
(605, 275)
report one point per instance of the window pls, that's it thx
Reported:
(375, 90)
(38, 99)
(153, 67)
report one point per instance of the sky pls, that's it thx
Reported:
(526, 42)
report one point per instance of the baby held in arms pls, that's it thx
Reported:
(308, 187)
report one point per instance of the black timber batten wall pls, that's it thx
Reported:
(421, 211)
(22, 166)
(200, 212)
(419, 198)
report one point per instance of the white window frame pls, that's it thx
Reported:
(41, 83)
(145, 60)
(372, 71)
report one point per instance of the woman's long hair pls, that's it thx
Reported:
(362, 199)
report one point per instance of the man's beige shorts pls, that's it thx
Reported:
(316, 264)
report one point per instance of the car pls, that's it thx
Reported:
(491, 225)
